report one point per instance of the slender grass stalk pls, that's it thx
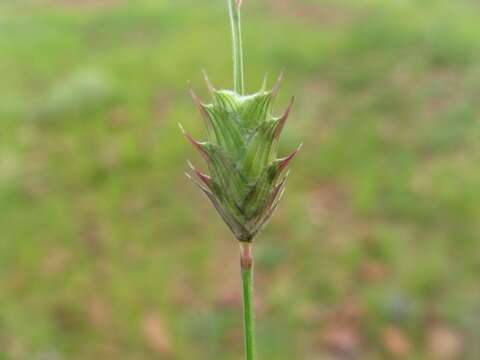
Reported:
(246, 264)
(246, 179)
(236, 27)
(246, 254)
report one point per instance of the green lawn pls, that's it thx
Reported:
(108, 252)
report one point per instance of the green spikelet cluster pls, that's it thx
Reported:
(246, 178)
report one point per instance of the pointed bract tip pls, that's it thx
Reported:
(203, 177)
(200, 106)
(239, 3)
(192, 92)
(279, 186)
(277, 85)
(205, 189)
(286, 114)
(285, 161)
(281, 194)
(210, 87)
(196, 144)
(283, 119)
(182, 129)
(195, 97)
(264, 83)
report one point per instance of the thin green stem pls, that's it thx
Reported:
(235, 23)
(246, 262)
(246, 256)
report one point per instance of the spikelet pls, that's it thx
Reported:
(246, 178)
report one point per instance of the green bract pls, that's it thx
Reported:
(246, 179)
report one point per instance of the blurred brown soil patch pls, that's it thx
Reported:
(331, 209)
(373, 271)
(445, 342)
(396, 342)
(156, 335)
(56, 261)
(99, 312)
(342, 336)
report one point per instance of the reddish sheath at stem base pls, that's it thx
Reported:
(246, 255)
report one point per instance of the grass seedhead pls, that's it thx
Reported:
(245, 178)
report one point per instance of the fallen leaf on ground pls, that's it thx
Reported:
(56, 261)
(156, 334)
(445, 343)
(396, 342)
(373, 271)
(343, 341)
(98, 312)
(342, 336)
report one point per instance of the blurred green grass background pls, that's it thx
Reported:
(107, 252)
